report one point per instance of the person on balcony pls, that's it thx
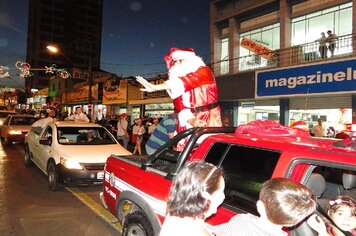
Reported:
(323, 50)
(331, 39)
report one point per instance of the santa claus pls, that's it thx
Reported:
(192, 87)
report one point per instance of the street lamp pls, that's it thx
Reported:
(54, 49)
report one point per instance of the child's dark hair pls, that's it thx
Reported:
(186, 197)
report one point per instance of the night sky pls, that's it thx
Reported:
(136, 34)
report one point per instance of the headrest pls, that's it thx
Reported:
(316, 184)
(348, 181)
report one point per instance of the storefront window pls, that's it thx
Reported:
(224, 69)
(248, 114)
(159, 110)
(334, 120)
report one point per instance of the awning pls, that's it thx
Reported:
(151, 101)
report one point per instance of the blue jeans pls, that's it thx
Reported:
(124, 139)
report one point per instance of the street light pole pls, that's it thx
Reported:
(90, 85)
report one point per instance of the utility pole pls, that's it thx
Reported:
(90, 84)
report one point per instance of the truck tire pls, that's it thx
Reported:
(52, 176)
(138, 224)
(28, 157)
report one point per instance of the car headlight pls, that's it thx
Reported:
(15, 132)
(1, 121)
(70, 164)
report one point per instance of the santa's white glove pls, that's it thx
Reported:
(148, 86)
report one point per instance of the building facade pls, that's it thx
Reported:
(74, 27)
(265, 53)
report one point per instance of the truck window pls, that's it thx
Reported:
(246, 169)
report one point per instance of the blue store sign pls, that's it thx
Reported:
(332, 77)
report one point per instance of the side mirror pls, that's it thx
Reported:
(46, 141)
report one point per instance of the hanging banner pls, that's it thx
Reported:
(258, 49)
(114, 91)
(80, 95)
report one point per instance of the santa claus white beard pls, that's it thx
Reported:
(187, 66)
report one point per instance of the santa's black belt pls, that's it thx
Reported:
(204, 108)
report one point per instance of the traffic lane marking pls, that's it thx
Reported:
(94, 206)
(97, 208)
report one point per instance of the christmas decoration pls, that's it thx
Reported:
(26, 69)
(4, 72)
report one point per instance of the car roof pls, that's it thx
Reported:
(18, 115)
(311, 145)
(75, 124)
(8, 111)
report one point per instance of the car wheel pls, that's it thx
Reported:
(137, 224)
(28, 157)
(52, 175)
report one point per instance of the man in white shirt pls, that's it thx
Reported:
(122, 130)
(318, 130)
(78, 116)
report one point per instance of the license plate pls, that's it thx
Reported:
(100, 175)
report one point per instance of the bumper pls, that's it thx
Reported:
(80, 177)
(16, 138)
(101, 195)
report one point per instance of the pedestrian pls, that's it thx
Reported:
(122, 134)
(153, 126)
(137, 132)
(78, 116)
(50, 117)
(195, 194)
(323, 50)
(331, 39)
(318, 130)
(282, 203)
(162, 133)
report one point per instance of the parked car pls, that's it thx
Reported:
(4, 114)
(71, 152)
(15, 128)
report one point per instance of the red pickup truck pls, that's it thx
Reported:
(135, 188)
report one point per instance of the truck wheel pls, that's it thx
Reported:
(137, 224)
(28, 157)
(52, 175)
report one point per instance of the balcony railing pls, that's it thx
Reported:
(298, 54)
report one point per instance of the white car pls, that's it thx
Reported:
(15, 127)
(71, 152)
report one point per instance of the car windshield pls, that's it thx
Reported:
(22, 120)
(84, 136)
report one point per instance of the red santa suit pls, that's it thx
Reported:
(193, 89)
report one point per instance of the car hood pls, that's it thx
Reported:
(91, 153)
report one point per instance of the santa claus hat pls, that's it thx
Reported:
(178, 54)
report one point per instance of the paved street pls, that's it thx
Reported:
(28, 207)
